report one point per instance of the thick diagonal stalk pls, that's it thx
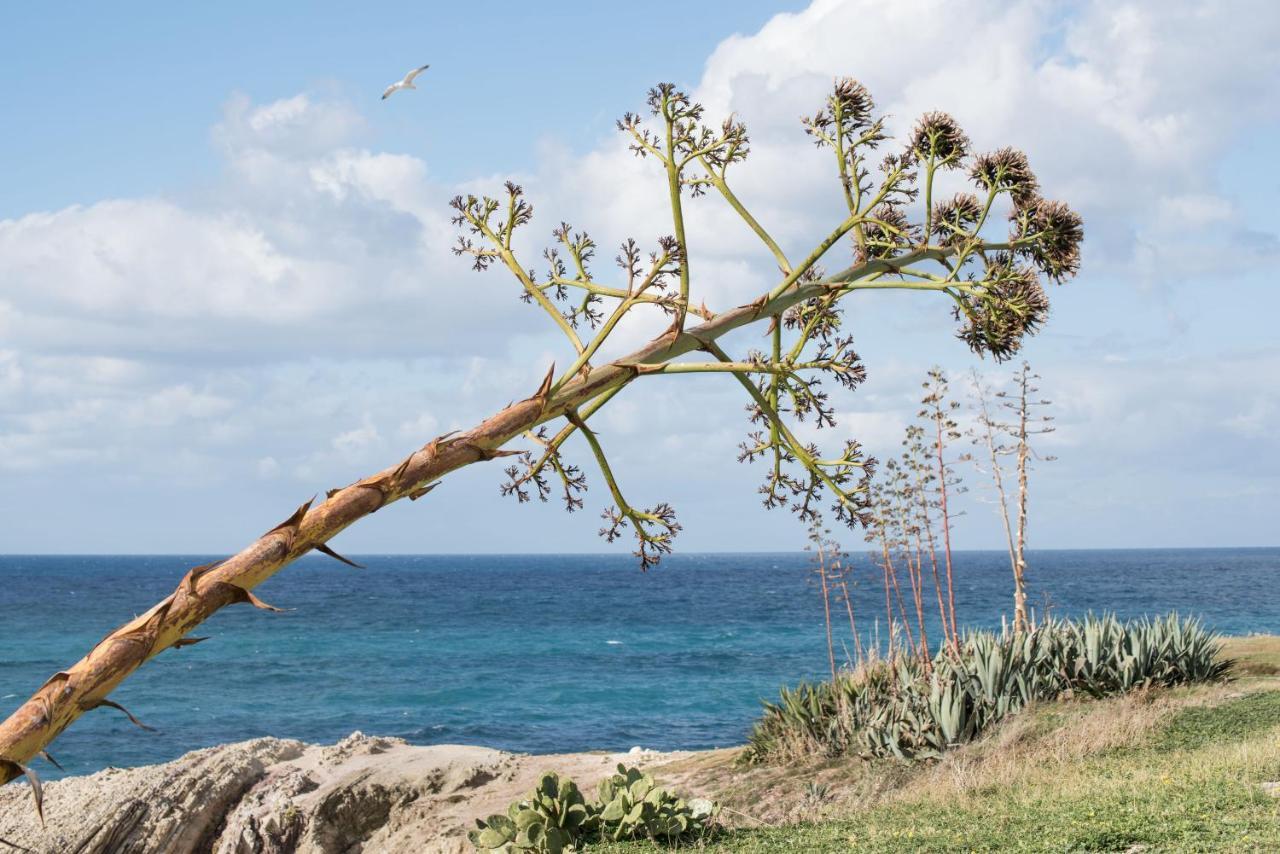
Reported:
(87, 683)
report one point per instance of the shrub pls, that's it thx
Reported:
(912, 709)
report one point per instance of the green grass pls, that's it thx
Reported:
(1181, 772)
(1235, 720)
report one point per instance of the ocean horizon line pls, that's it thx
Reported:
(674, 556)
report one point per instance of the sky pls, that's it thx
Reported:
(226, 281)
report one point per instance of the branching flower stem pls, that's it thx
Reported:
(677, 209)
(551, 447)
(718, 181)
(509, 259)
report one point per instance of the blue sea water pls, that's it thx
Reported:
(536, 653)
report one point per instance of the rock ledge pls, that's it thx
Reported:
(364, 794)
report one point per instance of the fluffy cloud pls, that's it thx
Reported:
(309, 246)
(1124, 108)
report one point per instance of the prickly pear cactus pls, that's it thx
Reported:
(551, 820)
(633, 806)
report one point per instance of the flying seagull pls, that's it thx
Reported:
(406, 83)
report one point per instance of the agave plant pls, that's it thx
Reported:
(911, 711)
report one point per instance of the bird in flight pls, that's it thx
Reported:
(406, 83)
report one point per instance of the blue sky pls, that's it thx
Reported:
(119, 103)
(225, 281)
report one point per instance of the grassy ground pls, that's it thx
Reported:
(1176, 770)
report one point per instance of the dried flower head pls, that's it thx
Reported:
(819, 317)
(1012, 306)
(1005, 171)
(887, 231)
(938, 136)
(847, 115)
(955, 218)
(1052, 234)
(854, 102)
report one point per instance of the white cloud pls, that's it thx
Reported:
(423, 427)
(353, 442)
(267, 468)
(287, 127)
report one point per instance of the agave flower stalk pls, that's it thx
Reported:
(823, 565)
(1013, 438)
(880, 532)
(990, 274)
(843, 571)
(987, 433)
(908, 534)
(915, 461)
(938, 411)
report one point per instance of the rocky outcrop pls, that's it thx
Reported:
(364, 794)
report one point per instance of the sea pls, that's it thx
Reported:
(533, 653)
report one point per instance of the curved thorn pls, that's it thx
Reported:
(421, 491)
(60, 676)
(44, 754)
(196, 571)
(544, 390)
(291, 524)
(181, 642)
(113, 704)
(433, 447)
(239, 594)
(491, 454)
(401, 469)
(258, 603)
(37, 790)
(324, 549)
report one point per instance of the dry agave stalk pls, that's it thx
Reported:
(831, 575)
(1013, 438)
(884, 531)
(939, 432)
(824, 570)
(958, 250)
(912, 517)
